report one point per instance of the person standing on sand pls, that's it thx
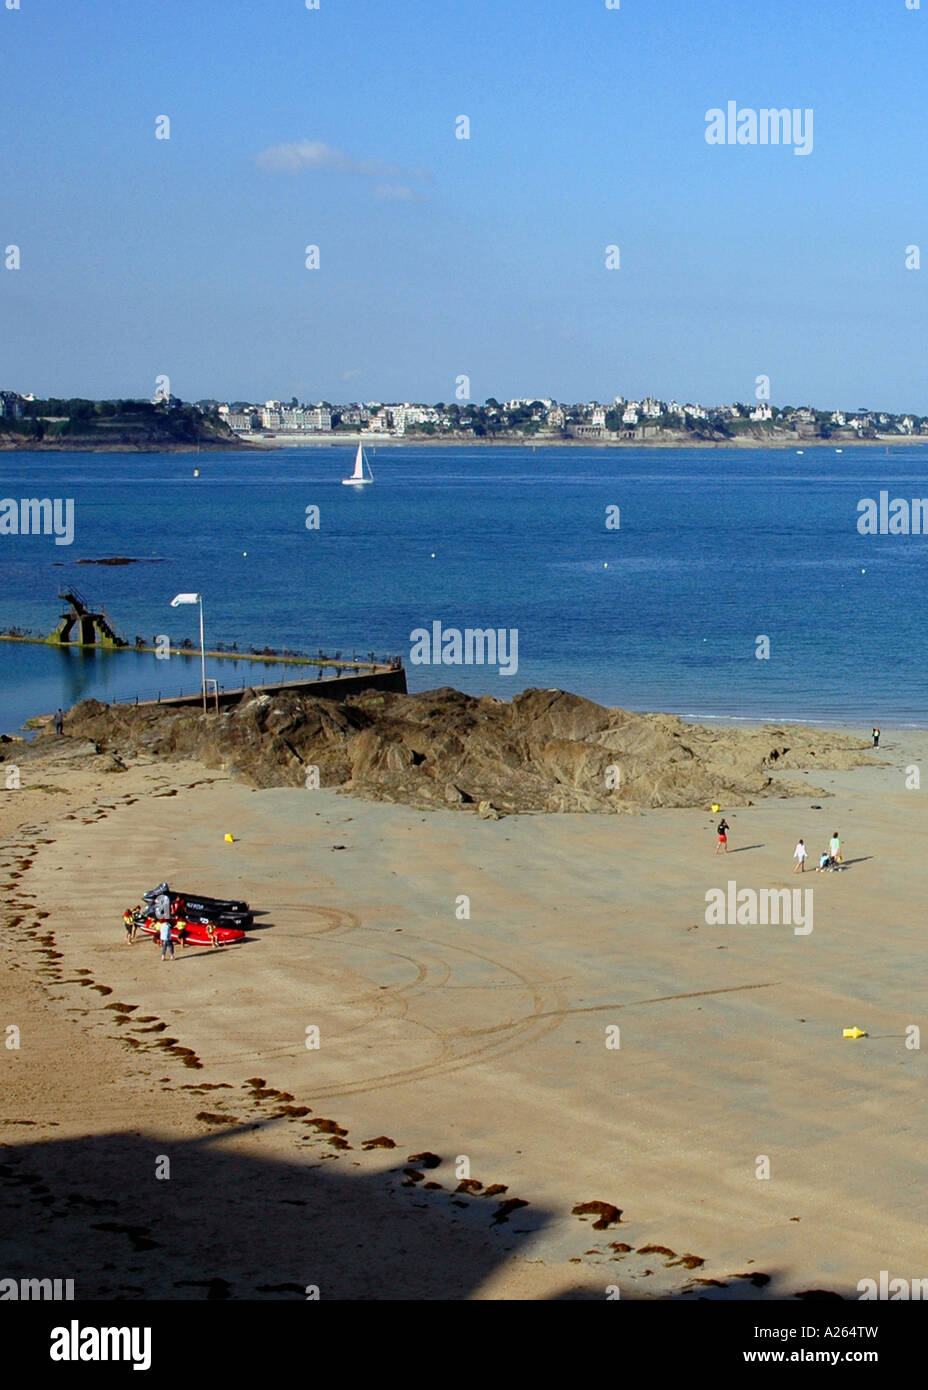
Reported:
(799, 854)
(723, 829)
(834, 846)
(166, 943)
(59, 722)
(876, 737)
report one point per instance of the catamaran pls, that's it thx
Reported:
(357, 477)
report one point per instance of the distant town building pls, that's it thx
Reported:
(12, 405)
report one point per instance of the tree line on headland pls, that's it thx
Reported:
(80, 423)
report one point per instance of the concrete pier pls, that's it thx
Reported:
(392, 678)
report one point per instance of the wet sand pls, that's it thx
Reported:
(478, 1041)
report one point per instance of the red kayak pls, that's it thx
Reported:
(185, 932)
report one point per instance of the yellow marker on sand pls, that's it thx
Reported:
(230, 839)
(854, 1033)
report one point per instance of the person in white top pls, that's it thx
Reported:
(799, 854)
(834, 846)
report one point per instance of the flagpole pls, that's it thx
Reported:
(196, 598)
(202, 657)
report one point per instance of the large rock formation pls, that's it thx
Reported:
(546, 750)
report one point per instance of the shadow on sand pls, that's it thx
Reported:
(744, 1287)
(231, 1224)
(226, 1224)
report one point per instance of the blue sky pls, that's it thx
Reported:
(442, 256)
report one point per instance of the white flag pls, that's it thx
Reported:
(185, 598)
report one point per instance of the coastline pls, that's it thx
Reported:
(384, 441)
(262, 444)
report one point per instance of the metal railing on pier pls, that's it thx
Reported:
(165, 693)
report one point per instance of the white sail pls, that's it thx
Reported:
(358, 475)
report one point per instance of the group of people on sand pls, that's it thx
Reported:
(829, 859)
(167, 919)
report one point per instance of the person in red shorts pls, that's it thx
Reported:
(722, 845)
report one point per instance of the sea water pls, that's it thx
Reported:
(662, 604)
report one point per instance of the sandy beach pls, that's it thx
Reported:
(324, 439)
(457, 1049)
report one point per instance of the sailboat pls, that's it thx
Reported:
(357, 477)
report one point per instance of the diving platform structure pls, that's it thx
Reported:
(82, 626)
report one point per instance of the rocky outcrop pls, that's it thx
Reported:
(546, 750)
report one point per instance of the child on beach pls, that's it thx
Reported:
(834, 846)
(876, 737)
(723, 836)
(799, 854)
